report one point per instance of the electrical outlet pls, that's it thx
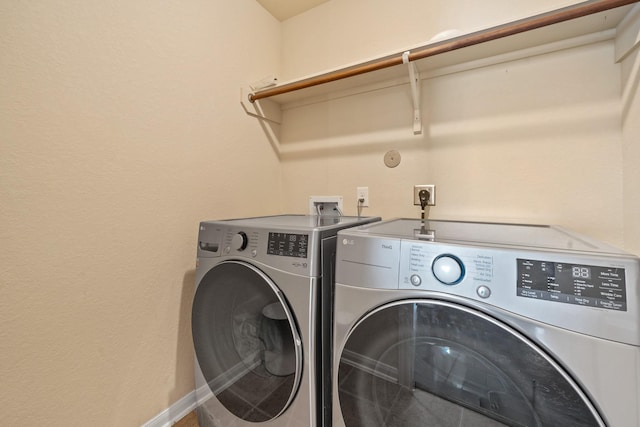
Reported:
(432, 194)
(362, 193)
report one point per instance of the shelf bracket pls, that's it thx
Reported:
(268, 111)
(414, 81)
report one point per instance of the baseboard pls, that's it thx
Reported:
(173, 413)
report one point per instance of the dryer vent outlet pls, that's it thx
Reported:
(325, 205)
(431, 188)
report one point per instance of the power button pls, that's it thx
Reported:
(483, 291)
(415, 280)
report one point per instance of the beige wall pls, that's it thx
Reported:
(631, 147)
(120, 129)
(535, 140)
(341, 32)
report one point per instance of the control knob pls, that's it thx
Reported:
(448, 269)
(239, 241)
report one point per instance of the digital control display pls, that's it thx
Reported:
(287, 244)
(589, 285)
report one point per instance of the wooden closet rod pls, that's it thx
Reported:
(565, 14)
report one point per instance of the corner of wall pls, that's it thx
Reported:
(628, 53)
(628, 34)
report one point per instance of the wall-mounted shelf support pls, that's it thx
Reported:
(264, 110)
(414, 81)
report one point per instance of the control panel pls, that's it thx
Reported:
(479, 273)
(592, 293)
(435, 267)
(589, 285)
(240, 242)
(288, 244)
(287, 251)
(293, 245)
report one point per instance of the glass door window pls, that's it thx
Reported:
(426, 362)
(246, 341)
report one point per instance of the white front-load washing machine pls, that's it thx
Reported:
(264, 287)
(479, 324)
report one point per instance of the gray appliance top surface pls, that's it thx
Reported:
(298, 222)
(490, 234)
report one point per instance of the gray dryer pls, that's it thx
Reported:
(478, 324)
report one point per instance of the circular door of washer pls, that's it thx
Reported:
(246, 341)
(429, 362)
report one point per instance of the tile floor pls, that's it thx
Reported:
(257, 397)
